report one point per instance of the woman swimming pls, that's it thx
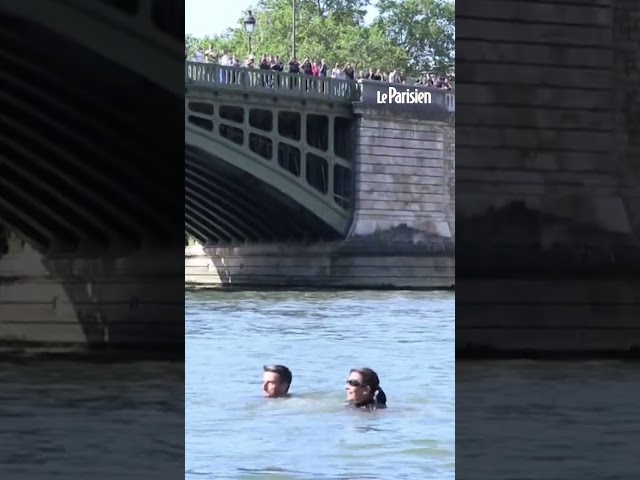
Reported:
(363, 390)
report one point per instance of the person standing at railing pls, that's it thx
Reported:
(315, 72)
(337, 74)
(349, 74)
(322, 72)
(264, 65)
(443, 83)
(210, 55)
(306, 67)
(294, 67)
(307, 70)
(198, 56)
(224, 59)
(277, 67)
(335, 70)
(277, 64)
(235, 63)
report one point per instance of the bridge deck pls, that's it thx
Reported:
(296, 85)
(282, 83)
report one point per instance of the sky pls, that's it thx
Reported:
(213, 17)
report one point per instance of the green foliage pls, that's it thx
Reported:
(335, 30)
(425, 29)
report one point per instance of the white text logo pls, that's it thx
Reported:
(403, 97)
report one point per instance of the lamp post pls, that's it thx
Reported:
(249, 23)
(293, 31)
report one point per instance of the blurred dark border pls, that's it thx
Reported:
(548, 238)
(91, 172)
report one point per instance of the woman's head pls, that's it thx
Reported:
(363, 386)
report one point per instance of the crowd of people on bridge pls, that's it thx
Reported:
(317, 68)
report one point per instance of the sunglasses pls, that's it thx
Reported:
(355, 383)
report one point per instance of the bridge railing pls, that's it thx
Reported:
(282, 83)
(300, 85)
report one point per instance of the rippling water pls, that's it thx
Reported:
(548, 420)
(233, 433)
(92, 421)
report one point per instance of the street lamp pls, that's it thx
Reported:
(249, 23)
(293, 32)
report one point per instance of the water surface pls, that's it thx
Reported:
(543, 420)
(233, 433)
(68, 420)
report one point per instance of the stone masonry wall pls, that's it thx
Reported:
(405, 175)
(536, 108)
(626, 90)
(547, 175)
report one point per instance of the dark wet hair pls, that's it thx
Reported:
(283, 372)
(370, 379)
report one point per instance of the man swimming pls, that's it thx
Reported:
(276, 380)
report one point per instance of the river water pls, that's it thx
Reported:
(233, 433)
(86, 420)
(516, 419)
(543, 420)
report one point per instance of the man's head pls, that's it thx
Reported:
(276, 380)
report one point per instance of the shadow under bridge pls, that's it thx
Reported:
(275, 173)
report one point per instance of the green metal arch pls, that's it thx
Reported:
(197, 173)
(239, 233)
(281, 181)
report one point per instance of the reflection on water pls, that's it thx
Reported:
(91, 421)
(233, 433)
(547, 420)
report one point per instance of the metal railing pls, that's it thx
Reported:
(282, 83)
(300, 85)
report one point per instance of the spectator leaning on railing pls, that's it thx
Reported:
(317, 68)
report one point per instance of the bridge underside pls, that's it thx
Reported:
(85, 180)
(71, 174)
(225, 205)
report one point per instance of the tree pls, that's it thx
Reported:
(425, 29)
(335, 30)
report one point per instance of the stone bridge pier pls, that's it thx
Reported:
(548, 175)
(90, 301)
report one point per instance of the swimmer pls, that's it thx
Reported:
(363, 390)
(276, 380)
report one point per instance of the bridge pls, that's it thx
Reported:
(294, 180)
(253, 124)
(86, 211)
